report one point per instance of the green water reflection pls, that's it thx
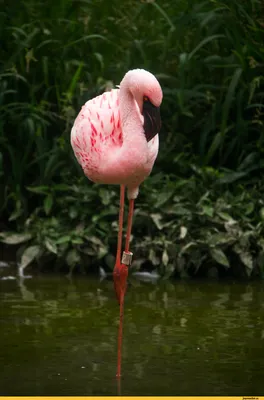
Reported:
(59, 338)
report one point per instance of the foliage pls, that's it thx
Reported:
(187, 228)
(209, 58)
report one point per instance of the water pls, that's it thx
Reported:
(59, 338)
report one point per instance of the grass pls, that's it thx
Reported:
(209, 58)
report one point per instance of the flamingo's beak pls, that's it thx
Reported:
(152, 120)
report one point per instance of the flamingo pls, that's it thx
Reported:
(115, 140)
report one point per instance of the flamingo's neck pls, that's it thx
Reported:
(131, 119)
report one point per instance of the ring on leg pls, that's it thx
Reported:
(127, 258)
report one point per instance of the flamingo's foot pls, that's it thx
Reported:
(120, 280)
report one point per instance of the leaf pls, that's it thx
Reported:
(179, 210)
(186, 247)
(183, 232)
(48, 202)
(51, 246)
(203, 42)
(229, 98)
(165, 258)
(169, 271)
(214, 146)
(39, 189)
(77, 240)
(75, 79)
(61, 187)
(162, 198)
(231, 177)
(73, 258)
(29, 255)
(224, 216)
(233, 228)
(249, 208)
(246, 259)
(156, 219)
(14, 238)
(106, 196)
(95, 240)
(219, 256)
(208, 210)
(220, 238)
(63, 239)
(16, 214)
(153, 258)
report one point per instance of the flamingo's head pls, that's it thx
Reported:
(147, 93)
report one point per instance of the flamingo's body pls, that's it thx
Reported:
(115, 140)
(108, 137)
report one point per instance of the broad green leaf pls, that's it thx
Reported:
(246, 259)
(29, 255)
(208, 210)
(51, 246)
(249, 208)
(102, 252)
(219, 256)
(14, 238)
(77, 240)
(220, 238)
(224, 216)
(63, 239)
(186, 247)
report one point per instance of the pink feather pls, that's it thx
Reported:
(108, 138)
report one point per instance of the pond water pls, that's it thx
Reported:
(59, 337)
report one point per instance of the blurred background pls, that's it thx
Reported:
(201, 212)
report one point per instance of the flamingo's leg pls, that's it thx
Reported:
(126, 262)
(120, 228)
(121, 270)
(117, 273)
(120, 279)
(129, 225)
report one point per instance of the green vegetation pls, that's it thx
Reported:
(203, 204)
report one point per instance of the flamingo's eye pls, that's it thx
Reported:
(145, 98)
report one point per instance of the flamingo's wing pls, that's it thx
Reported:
(96, 127)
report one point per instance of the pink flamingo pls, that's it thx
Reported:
(115, 140)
